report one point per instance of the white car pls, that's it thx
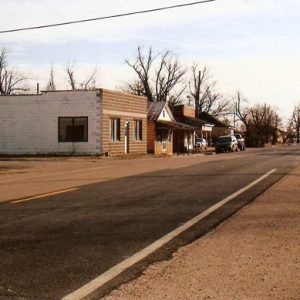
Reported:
(201, 143)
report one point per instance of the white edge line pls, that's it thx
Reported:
(105, 277)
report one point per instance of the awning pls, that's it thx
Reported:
(213, 120)
(175, 125)
(195, 122)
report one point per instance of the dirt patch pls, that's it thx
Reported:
(5, 169)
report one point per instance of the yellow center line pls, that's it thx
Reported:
(43, 196)
(180, 167)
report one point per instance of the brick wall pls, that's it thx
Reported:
(182, 110)
(189, 111)
(123, 102)
(29, 123)
(127, 108)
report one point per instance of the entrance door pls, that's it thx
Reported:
(164, 141)
(164, 146)
(126, 137)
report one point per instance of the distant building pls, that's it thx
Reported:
(219, 128)
(202, 129)
(80, 122)
(162, 127)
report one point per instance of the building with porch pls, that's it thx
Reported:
(162, 128)
(219, 128)
(202, 129)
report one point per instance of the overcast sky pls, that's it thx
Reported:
(249, 45)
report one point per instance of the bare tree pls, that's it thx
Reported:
(88, 83)
(135, 87)
(295, 122)
(70, 70)
(160, 83)
(197, 91)
(168, 75)
(275, 123)
(241, 112)
(142, 66)
(204, 94)
(289, 134)
(214, 103)
(51, 86)
(10, 80)
(261, 122)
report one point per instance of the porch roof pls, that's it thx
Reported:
(195, 122)
(209, 118)
(176, 125)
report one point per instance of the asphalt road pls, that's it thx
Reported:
(52, 246)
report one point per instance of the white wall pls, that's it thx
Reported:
(164, 116)
(29, 124)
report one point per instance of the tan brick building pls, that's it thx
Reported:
(129, 114)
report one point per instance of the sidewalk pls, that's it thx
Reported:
(253, 255)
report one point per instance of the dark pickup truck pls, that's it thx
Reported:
(241, 142)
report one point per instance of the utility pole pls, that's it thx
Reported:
(234, 114)
(197, 98)
(298, 126)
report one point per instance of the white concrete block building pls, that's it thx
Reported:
(64, 122)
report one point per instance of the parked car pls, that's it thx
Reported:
(201, 143)
(241, 141)
(226, 143)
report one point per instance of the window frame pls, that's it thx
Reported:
(73, 122)
(138, 130)
(115, 134)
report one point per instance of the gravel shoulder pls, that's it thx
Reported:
(253, 255)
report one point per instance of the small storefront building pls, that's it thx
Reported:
(164, 134)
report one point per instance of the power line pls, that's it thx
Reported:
(106, 17)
